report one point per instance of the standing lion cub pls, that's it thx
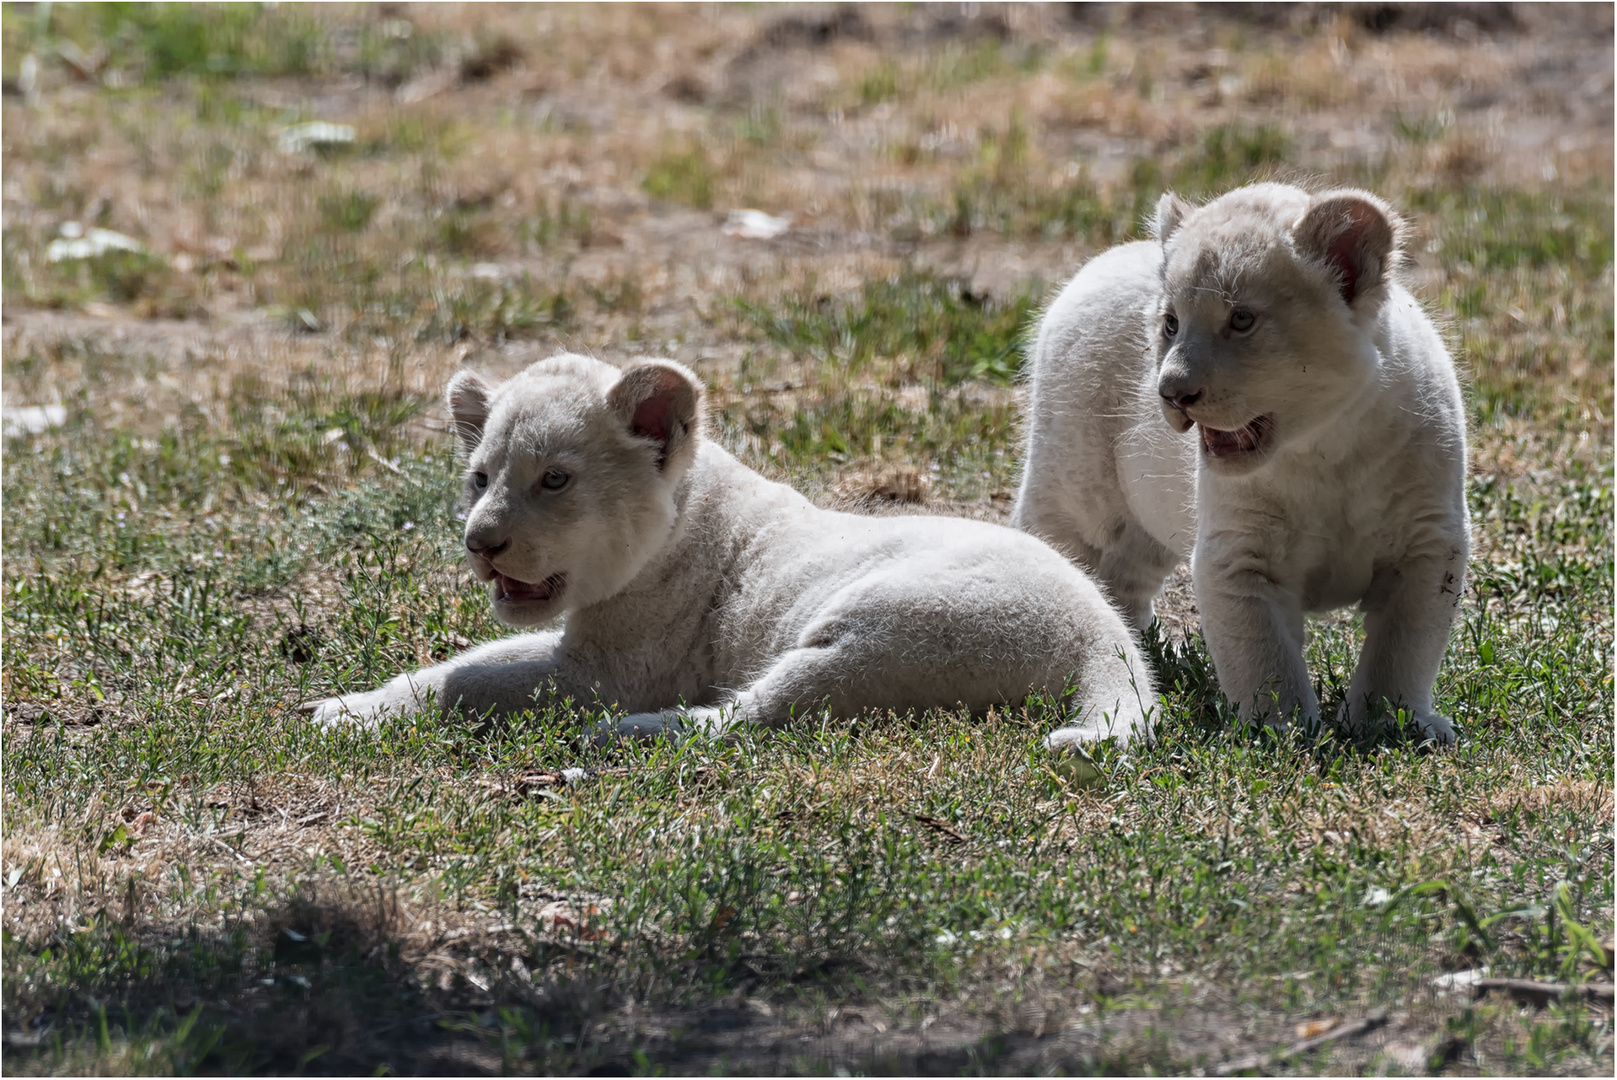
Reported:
(697, 594)
(1327, 463)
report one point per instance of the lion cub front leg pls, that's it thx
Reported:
(502, 676)
(1407, 616)
(1254, 629)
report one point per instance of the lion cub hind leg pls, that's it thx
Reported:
(1132, 569)
(855, 673)
(1114, 700)
(1102, 536)
(1407, 618)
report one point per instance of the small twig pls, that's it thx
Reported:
(370, 452)
(221, 842)
(535, 782)
(1543, 993)
(1264, 1062)
(955, 835)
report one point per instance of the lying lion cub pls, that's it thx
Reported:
(1328, 462)
(698, 594)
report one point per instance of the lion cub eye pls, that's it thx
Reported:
(480, 480)
(554, 480)
(1170, 325)
(1241, 320)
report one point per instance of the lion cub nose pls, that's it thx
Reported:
(480, 546)
(1176, 395)
(1179, 387)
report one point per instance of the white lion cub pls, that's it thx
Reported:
(697, 594)
(1328, 463)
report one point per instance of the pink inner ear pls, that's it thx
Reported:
(653, 417)
(1340, 255)
(658, 415)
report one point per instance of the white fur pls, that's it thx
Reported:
(1354, 495)
(698, 594)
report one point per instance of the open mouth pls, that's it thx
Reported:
(513, 591)
(1243, 440)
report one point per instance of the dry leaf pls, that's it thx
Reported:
(1310, 1028)
(560, 917)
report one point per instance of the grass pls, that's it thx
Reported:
(138, 279)
(1007, 189)
(684, 176)
(793, 868)
(252, 502)
(948, 69)
(921, 325)
(1514, 253)
(133, 42)
(350, 210)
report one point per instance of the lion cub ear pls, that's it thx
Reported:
(1355, 235)
(1171, 212)
(662, 401)
(467, 400)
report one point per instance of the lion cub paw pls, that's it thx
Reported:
(1071, 757)
(1436, 727)
(341, 711)
(637, 726)
(361, 710)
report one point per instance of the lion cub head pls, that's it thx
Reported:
(571, 474)
(1268, 310)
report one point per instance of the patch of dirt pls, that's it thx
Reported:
(1042, 1035)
